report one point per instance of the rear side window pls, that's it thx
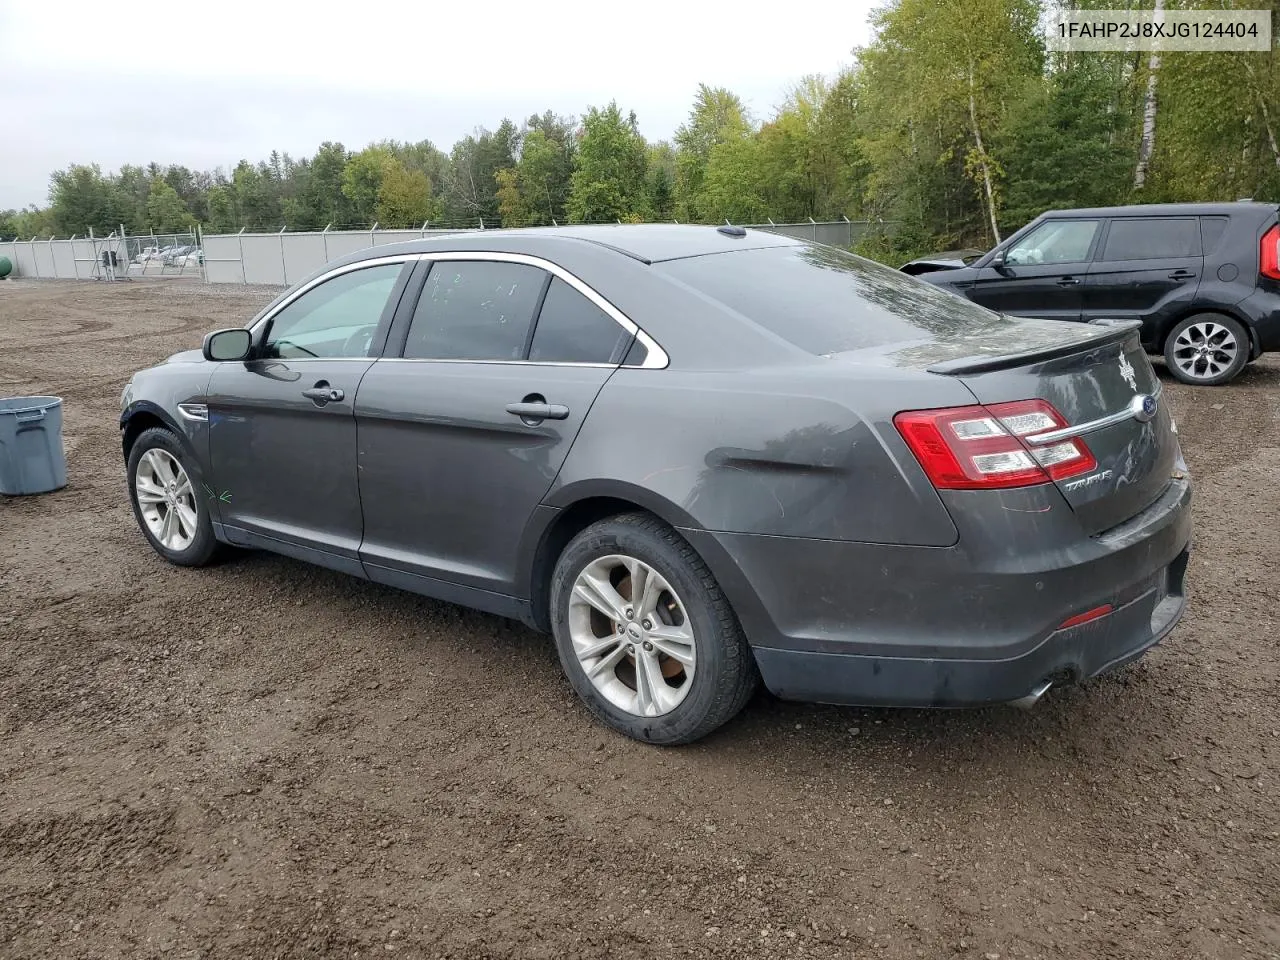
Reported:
(1211, 231)
(572, 329)
(1153, 239)
(474, 310)
(824, 300)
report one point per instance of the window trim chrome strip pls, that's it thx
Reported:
(1081, 429)
(656, 357)
(265, 319)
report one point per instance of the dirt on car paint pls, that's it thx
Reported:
(264, 759)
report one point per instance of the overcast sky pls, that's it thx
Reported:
(206, 84)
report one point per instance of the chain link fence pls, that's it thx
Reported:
(281, 258)
(117, 256)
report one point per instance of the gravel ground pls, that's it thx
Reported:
(264, 759)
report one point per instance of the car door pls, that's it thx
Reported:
(461, 435)
(282, 429)
(1042, 272)
(1148, 269)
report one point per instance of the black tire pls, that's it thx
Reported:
(725, 676)
(204, 547)
(1218, 320)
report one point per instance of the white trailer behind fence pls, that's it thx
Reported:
(281, 258)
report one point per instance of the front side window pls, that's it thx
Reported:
(335, 319)
(474, 310)
(1152, 239)
(572, 329)
(1057, 241)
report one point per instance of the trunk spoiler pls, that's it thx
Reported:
(1117, 331)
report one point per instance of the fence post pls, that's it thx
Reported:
(53, 260)
(75, 263)
(373, 241)
(244, 277)
(425, 224)
(815, 229)
(284, 267)
(35, 264)
(482, 223)
(324, 237)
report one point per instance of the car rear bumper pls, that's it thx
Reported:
(1262, 309)
(873, 624)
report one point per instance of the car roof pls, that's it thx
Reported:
(645, 242)
(1167, 210)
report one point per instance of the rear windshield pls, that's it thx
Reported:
(826, 301)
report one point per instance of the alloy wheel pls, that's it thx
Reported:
(166, 499)
(632, 636)
(1205, 350)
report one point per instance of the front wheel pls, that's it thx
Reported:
(1207, 349)
(645, 636)
(164, 491)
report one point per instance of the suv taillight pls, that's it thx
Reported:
(1269, 254)
(982, 447)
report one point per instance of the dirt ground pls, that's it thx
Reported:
(265, 759)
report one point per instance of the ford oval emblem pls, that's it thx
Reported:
(1143, 407)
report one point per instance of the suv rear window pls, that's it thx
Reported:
(1153, 238)
(824, 300)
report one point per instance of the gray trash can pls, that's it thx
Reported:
(32, 459)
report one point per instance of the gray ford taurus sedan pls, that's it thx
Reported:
(699, 457)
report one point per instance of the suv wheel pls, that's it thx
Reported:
(645, 636)
(164, 490)
(1206, 349)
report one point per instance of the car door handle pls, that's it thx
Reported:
(322, 393)
(1181, 275)
(1068, 282)
(538, 410)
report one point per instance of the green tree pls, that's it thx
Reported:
(937, 81)
(608, 180)
(362, 180)
(404, 196)
(731, 188)
(717, 115)
(222, 212)
(1063, 145)
(166, 213)
(534, 191)
(470, 189)
(661, 180)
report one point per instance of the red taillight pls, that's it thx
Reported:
(983, 447)
(1269, 254)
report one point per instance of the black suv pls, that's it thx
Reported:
(1204, 278)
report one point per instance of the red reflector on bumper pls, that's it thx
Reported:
(1097, 613)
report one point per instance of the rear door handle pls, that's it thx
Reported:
(1068, 282)
(538, 410)
(322, 393)
(1181, 275)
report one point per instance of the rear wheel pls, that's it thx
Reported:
(645, 636)
(1206, 349)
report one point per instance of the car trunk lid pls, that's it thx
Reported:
(1108, 393)
(1094, 375)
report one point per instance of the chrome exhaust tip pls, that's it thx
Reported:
(1032, 698)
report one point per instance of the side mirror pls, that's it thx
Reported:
(999, 261)
(223, 345)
